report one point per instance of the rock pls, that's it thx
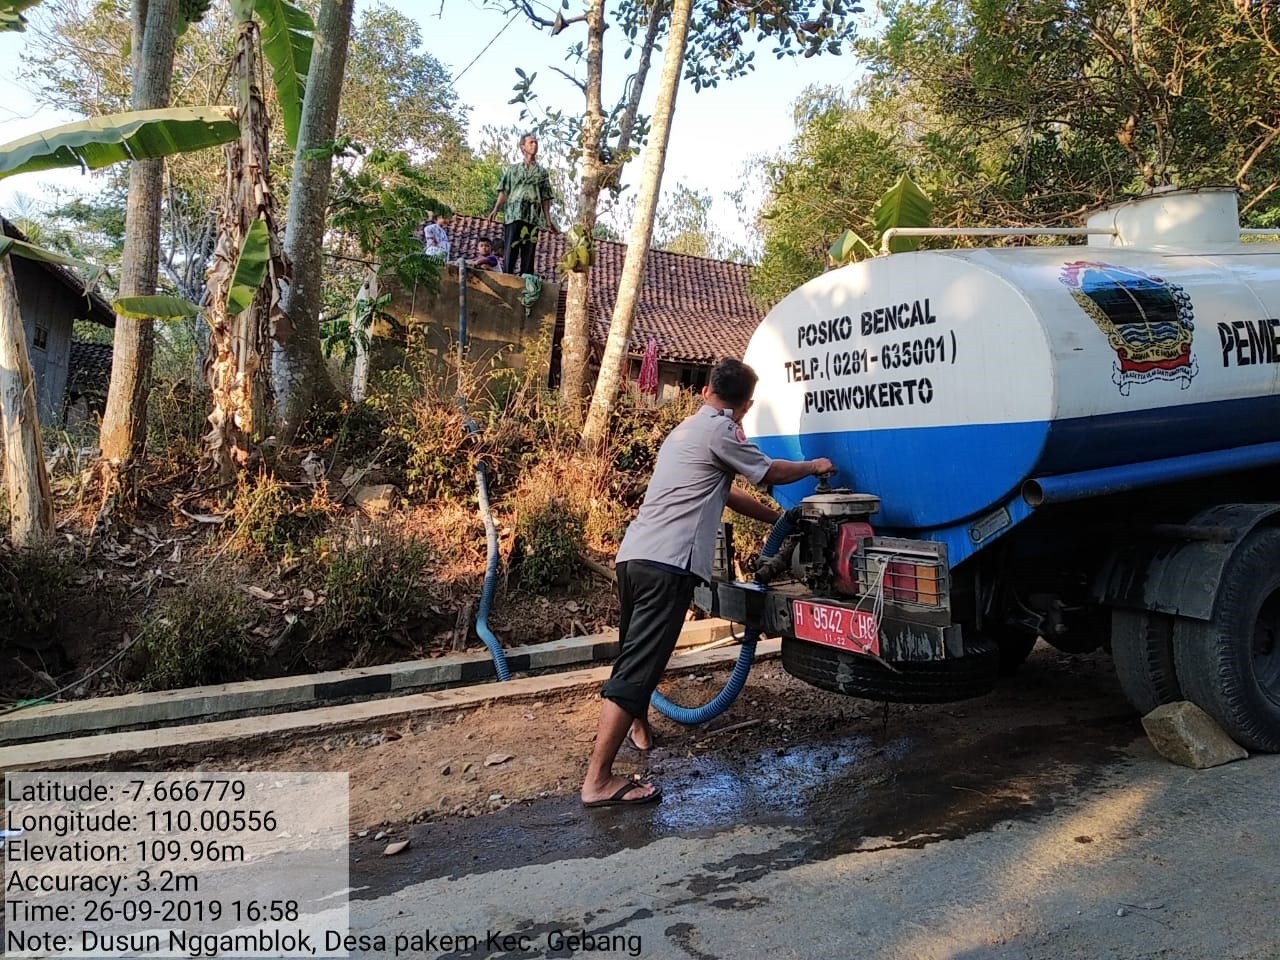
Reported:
(446, 770)
(1185, 734)
(375, 499)
(393, 848)
(381, 835)
(496, 759)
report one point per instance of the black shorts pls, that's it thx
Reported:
(654, 604)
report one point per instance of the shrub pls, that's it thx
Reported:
(271, 521)
(636, 434)
(551, 535)
(553, 503)
(177, 422)
(374, 593)
(354, 431)
(519, 424)
(196, 638)
(33, 587)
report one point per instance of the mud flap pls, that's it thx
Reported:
(1177, 568)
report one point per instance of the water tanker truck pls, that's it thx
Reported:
(1080, 443)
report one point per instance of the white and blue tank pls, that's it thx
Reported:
(961, 385)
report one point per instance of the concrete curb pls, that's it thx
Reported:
(80, 750)
(79, 717)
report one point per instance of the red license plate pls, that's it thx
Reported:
(854, 630)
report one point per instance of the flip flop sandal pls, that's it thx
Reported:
(619, 798)
(628, 742)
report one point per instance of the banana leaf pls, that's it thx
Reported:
(11, 18)
(102, 141)
(251, 267)
(157, 307)
(29, 251)
(287, 36)
(846, 248)
(904, 205)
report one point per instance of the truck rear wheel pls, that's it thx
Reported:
(1230, 666)
(916, 681)
(1142, 651)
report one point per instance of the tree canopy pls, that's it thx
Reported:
(1030, 112)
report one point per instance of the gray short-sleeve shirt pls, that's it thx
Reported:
(696, 464)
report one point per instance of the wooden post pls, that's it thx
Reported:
(25, 478)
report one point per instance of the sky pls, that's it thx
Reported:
(714, 134)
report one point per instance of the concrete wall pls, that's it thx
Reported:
(496, 323)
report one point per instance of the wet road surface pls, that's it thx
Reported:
(1014, 826)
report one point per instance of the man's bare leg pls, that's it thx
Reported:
(600, 782)
(641, 735)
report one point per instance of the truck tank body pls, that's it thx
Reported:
(943, 380)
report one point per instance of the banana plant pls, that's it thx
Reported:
(903, 205)
(89, 144)
(248, 268)
(11, 18)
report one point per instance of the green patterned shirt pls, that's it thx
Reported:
(526, 187)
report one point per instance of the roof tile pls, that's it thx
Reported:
(697, 309)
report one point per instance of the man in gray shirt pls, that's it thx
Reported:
(666, 551)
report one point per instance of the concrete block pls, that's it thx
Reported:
(375, 499)
(571, 650)
(1185, 734)
(698, 632)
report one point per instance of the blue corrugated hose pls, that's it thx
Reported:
(746, 656)
(490, 579)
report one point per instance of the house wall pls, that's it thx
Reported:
(48, 309)
(672, 378)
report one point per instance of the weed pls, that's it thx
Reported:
(374, 594)
(272, 522)
(196, 638)
(33, 585)
(176, 423)
(636, 433)
(552, 535)
(554, 502)
(352, 430)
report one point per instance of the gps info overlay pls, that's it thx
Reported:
(175, 865)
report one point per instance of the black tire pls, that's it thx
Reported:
(1230, 666)
(1142, 650)
(922, 681)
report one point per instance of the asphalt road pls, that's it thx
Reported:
(1034, 823)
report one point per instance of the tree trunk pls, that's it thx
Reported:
(577, 320)
(298, 370)
(238, 365)
(627, 125)
(360, 337)
(25, 477)
(124, 422)
(615, 353)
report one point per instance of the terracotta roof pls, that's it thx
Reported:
(99, 310)
(697, 309)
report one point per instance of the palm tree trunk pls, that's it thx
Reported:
(238, 364)
(124, 422)
(615, 352)
(575, 345)
(25, 478)
(298, 368)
